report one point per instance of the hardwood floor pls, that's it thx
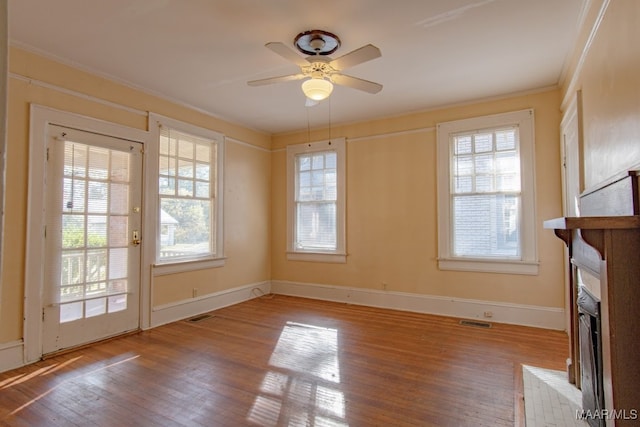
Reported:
(284, 361)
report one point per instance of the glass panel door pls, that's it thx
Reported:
(93, 238)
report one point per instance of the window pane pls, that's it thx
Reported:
(167, 145)
(96, 231)
(484, 163)
(463, 165)
(331, 160)
(507, 161)
(69, 312)
(202, 171)
(316, 182)
(304, 163)
(119, 200)
(186, 221)
(486, 226)
(118, 231)
(73, 195)
(318, 162)
(484, 183)
(463, 145)
(483, 142)
(97, 197)
(72, 270)
(118, 261)
(167, 166)
(508, 182)
(119, 166)
(185, 188)
(304, 179)
(316, 226)
(167, 186)
(75, 160)
(203, 153)
(185, 168)
(317, 178)
(185, 228)
(98, 163)
(185, 150)
(96, 265)
(463, 184)
(71, 293)
(72, 231)
(506, 140)
(117, 303)
(96, 307)
(202, 189)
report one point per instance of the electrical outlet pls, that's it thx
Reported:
(488, 314)
(194, 292)
(384, 286)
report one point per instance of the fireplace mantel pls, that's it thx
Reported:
(608, 247)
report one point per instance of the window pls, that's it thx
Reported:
(486, 210)
(316, 199)
(189, 216)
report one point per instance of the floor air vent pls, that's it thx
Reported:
(475, 323)
(199, 318)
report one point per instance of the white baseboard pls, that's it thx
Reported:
(11, 355)
(168, 313)
(517, 314)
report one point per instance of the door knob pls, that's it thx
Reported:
(136, 238)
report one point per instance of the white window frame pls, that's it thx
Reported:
(339, 255)
(217, 259)
(528, 261)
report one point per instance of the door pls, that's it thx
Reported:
(573, 184)
(92, 238)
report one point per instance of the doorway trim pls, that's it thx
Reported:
(40, 118)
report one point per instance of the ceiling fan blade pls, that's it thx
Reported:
(355, 57)
(279, 79)
(288, 54)
(356, 83)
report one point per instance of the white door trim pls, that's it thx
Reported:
(41, 117)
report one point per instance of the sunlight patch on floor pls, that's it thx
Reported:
(306, 376)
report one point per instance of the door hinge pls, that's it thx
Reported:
(47, 154)
(43, 314)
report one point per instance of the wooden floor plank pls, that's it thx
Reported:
(280, 361)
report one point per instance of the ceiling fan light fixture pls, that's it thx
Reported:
(317, 89)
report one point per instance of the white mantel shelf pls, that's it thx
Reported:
(594, 222)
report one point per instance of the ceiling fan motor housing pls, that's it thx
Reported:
(317, 42)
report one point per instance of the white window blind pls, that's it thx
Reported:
(315, 200)
(485, 194)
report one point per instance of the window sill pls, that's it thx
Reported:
(317, 257)
(489, 266)
(162, 269)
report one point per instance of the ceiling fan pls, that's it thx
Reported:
(318, 68)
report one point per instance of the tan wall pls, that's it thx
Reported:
(391, 209)
(247, 231)
(610, 84)
(247, 200)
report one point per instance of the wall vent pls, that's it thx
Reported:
(199, 318)
(475, 323)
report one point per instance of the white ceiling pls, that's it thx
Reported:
(202, 52)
